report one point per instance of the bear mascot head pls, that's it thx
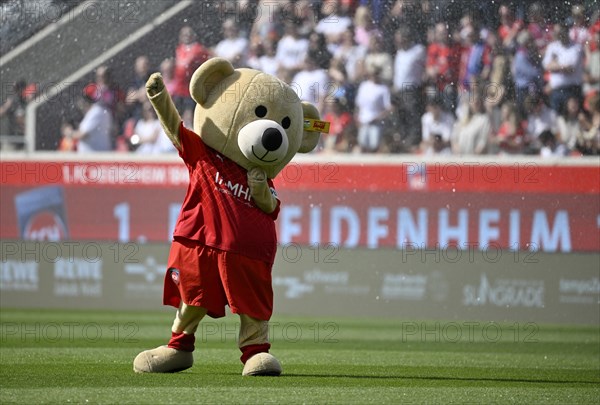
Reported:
(249, 116)
(248, 125)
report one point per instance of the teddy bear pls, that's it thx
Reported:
(247, 127)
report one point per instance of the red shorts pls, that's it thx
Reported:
(211, 278)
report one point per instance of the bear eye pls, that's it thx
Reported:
(260, 111)
(286, 122)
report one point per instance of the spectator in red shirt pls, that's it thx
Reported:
(189, 55)
(510, 137)
(341, 137)
(442, 65)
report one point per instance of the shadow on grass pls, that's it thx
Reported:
(441, 378)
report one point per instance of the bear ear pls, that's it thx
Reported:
(207, 77)
(310, 140)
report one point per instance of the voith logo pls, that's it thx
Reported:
(145, 278)
(45, 226)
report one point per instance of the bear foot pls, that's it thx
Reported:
(262, 364)
(163, 359)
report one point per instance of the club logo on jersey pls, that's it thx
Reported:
(175, 276)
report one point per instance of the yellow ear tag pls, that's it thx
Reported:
(312, 125)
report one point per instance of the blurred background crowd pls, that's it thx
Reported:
(391, 76)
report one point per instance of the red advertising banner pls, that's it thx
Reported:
(520, 205)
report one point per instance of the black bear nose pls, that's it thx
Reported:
(271, 139)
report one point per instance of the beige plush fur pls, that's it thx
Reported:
(234, 106)
(163, 359)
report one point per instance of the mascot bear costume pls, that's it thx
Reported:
(247, 126)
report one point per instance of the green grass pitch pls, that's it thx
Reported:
(86, 357)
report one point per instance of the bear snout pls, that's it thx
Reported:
(263, 142)
(271, 139)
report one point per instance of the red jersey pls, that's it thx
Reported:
(218, 210)
(187, 59)
(447, 59)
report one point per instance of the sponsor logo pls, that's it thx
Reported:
(45, 225)
(146, 278)
(41, 214)
(505, 293)
(404, 286)
(77, 277)
(294, 287)
(235, 189)
(19, 276)
(329, 282)
(579, 291)
(415, 287)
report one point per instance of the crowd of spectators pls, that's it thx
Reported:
(397, 76)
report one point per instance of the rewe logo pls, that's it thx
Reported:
(19, 276)
(75, 277)
(45, 226)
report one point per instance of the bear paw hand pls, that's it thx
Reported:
(155, 84)
(257, 175)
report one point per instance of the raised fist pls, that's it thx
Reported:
(155, 84)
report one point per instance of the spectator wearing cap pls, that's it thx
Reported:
(564, 62)
(94, 131)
